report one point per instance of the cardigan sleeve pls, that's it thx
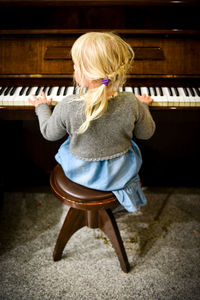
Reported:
(51, 125)
(144, 125)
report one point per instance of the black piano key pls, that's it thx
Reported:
(133, 89)
(154, 91)
(22, 90)
(38, 91)
(197, 91)
(13, 90)
(74, 91)
(192, 91)
(7, 90)
(176, 91)
(2, 90)
(49, 91)
(139, 91)
(160, 91)
(186, 92)
(59, 91)
(65, 91)
(149, 91)
(44, 89)
(28, 90)
(170, 91)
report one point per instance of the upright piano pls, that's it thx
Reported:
(35, 42)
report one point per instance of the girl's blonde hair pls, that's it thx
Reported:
(98, 56)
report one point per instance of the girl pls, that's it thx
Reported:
(99, 152)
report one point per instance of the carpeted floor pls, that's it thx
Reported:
(162, 242)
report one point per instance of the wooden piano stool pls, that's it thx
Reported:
(88, 207)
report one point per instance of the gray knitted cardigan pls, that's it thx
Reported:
(108, 136)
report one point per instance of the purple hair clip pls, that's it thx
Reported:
(105, 81)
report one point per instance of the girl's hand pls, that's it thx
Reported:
(145, 98)
(38, 100)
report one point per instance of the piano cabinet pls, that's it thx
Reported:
(170, 158)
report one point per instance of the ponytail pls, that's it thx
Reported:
(96, 104)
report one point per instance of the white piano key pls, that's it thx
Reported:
(129, 89)
(57, 98)
(174, 99)
(84, 90)
(151, 91)
(183, 99)
(32, 92)
(144, 90)
(196, 98)
(170, 99)
(70, 90)
(161, 100)
(60, 92)
(54, 96)
(7, 100)
(159, 97)
(137, 91)
(158, 100)
(18, 99)
(77, 90)
(193, 98)
(2, 97)
(22, 100)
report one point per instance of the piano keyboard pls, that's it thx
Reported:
(162, 96)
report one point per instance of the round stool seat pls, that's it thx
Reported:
(87, 207)
(76, 195)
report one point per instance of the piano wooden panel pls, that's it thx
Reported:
(171, 156)
(27, 55)
(35, 41)
(99, 14)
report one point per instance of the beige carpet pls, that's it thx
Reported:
(162, 241)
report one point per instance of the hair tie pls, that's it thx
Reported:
(105, 81)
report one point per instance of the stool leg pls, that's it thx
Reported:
(109, 226)
(74, 220)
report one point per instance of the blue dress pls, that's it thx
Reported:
(119, 175)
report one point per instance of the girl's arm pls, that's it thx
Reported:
(145, 125)
(51, 125)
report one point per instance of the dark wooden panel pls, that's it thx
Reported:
(44, 55)
(99, 14)
(175, 52)
(171, 157)
(141, 53)
(57, 53)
